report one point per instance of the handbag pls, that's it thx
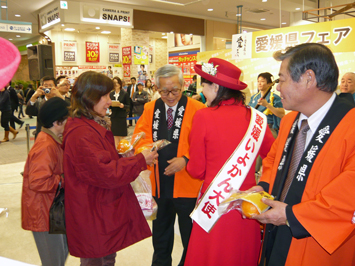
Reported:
(56, 213)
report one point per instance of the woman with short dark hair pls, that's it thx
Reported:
(102, 213)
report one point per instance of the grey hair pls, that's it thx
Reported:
(350, 73)
(168, 71)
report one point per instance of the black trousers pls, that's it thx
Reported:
(163, 228)
(5, 119)
(14, 119)
(130, 113)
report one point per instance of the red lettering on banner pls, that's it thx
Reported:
(247, 147)
(209, 208)
(259, 120)
(237, 171)
(241, 160)
(256, 133)
(227, 187)
(217, 196)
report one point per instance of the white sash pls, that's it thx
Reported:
(231, 176)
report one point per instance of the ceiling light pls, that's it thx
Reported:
(263, 1)
(18, 36)
(210, 9)
(69, 29)
(263, 19)
(222, 40)
(298, 8)
(172, 32)
(62, 25)
(10, 39)
(191, 34)
(29, 45)
(244, 31)
(3, 6)
(163, 33)
(164, 37)
(97, 28)
(17, 15)
(283, 23)
(238, 15)
(105, 32)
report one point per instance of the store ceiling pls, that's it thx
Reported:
(253, 11)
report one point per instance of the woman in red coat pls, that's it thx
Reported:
(101, 210)
(216, 132)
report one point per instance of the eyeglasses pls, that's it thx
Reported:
(166, 92)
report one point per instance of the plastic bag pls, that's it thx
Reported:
(247, 203)
(128, 143)
(158, 145)
(142, 187)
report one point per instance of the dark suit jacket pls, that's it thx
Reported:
(123, 98)
(129, 90)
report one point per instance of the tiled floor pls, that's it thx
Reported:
(18, 244)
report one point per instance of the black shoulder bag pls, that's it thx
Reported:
(56, 213)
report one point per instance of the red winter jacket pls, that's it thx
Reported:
(102, 211)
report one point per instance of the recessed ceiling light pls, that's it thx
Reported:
(244, 31)
(163, 33)
(69, 29)
(283, 23)
(105, 32)
(17, 15)
(210, 9)
(97, 28)
(222, 40)
(191, 34)
(18, 36)
(172, 32)
(62, 25)
(298, 8)
(164, 37)
(10, 39)
(263, 1)
(263, 19)
(3, 6)
(238, 15)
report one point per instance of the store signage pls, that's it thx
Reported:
(186, 62)
(127, 55)
(338, 35)
(25, 27)
(63, 4)
(126, 71)
(92, 52)
(240, 45)
(49, 17)
(113, 53)
(141, 55)
(69, 51)
(119, 16)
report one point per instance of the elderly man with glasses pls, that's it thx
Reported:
(175, 191)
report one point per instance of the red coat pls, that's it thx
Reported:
(101, 209)
(43, 170)
(215, 134)
(327, 205)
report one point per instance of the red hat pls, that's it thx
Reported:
(221, 72)
(10, 59)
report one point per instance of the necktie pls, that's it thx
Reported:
(170, 118)
(132, 91)
(296, 157)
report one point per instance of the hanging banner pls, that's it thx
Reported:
(241, 45)
(114, 53)
(127, 55)
(126, 71)
(141, 55)
(92, 52)
(70, 51)
(338, 35)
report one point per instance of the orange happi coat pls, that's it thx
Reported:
(327, 206)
